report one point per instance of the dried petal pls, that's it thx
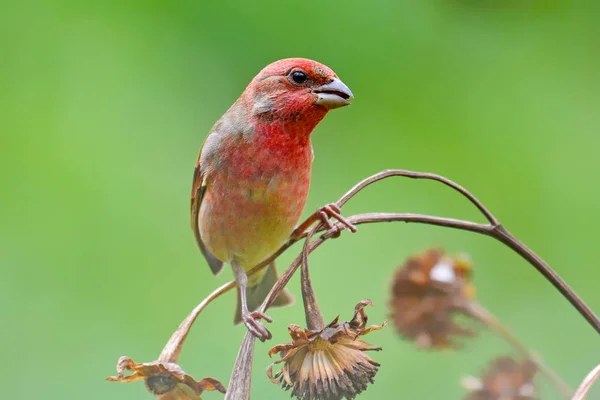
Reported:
(428, 293)
(504, 379)
(167, 381)
(330, 364)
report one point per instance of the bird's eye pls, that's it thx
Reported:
(299, 77)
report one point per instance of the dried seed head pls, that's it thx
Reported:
(504, 379)
(427, 293)
(329, 364)
(167, 381)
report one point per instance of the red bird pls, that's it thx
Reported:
(253, 174)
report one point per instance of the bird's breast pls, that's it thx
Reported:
(254, 201)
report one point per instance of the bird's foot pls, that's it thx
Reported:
(332, 210)
(324, 214)
(252, 320)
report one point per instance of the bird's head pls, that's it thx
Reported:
(296, 88)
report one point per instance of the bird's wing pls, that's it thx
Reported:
(198, 189)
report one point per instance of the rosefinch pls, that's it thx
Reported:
(253, 173)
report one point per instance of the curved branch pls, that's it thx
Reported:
(173, 347)
(496, 232)
(241, 376)
(418, 175)
(519, 247)
(371, 218)
(382, 217)
(364, 219)
(314, 318)
(587, 384)
(503, 236)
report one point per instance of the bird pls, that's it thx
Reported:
(252, 176)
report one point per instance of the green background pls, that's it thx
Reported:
(104, 106)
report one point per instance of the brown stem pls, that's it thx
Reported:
(314, 318)
(289, 272)
(417, 175)
(241, 377)
(502, 235)
(356, 220)
(587, 383)
(173, 347)
(481, 313)
(497, 232)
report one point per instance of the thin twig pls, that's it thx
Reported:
(587, 383)
(481, 313)
(314, 318)
(502, 235)
(356, 220)
(497, 232)
(173, 347)
(417, 175)
(241, 377)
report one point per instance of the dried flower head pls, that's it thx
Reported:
(329, 364)
(167, 381)
(427, 293)
(504, 379)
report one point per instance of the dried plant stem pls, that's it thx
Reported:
(587, 384)
(314, 318)
(417, 175)
(241, 377)
(481, 313)
(173, 347)
(289, 272)
(497, 232)
(493, 229)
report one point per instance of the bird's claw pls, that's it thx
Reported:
(255, 326)
(324, 215)
(332, 210)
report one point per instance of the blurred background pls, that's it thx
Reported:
(104, 106)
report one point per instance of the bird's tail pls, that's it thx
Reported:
(256, 294)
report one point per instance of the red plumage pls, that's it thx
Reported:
(253, 172)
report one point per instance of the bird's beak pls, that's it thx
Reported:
(334, 94)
